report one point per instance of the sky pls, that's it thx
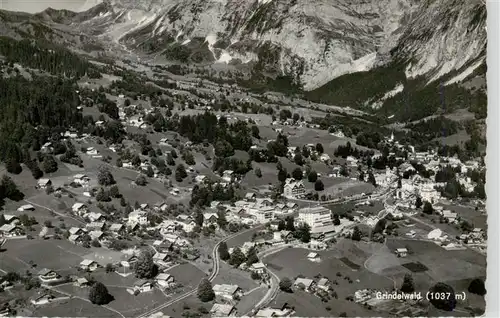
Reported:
(33, 6)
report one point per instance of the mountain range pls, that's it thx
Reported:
(311, 42)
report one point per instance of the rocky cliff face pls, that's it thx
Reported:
(314, 41)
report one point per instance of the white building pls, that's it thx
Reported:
(294, 188)
(318, 218)
(138, 216)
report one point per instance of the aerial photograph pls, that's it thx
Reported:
(243, 158)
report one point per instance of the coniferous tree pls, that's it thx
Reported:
(205, 291)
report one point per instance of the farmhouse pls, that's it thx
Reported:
(75, 231)
(276, 310)
(75, 239)
(41, 299)
(401, 252)
(79, 208)
(305, 283)
(44, 183)
(165, 280)
(318, 218)
(11, 219)
(26, 207)
(81, 179)
(294, 188)
(227, 175)
(250, 196)
(161, 258)
(47, 275)
(323, 284)
(96, 217)
(313, 257)
(82, 282)
(227, 291)
(117, 228)
(209, 218)
(221, 310)
(96, 235)
(89, 265)
(10, 230)
(95, 226)
(258, 268)
(143, 286)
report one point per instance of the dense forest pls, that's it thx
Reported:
(44, 56)
(32, 111)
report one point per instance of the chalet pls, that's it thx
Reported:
(292, 205)
(128, 261)
(215, 204)
(11, 219)
(165, 280)
(161, 258)
(41, 299)
(200, 179)
(48, 275)
(143, 286)
(144, 206)
(81, 179)
(96, 235)
(95, 226)
(250, 196)
(210, 218)
(76, 239)
(227, 291)
(44, 183)
(117, 228)
(323, 284)
(258, 268)
(161, 207)
(79, 208)
(401, 252)
(228, 175)
(82, 282)
(222, 310)
(276, 310)
(187, 226)
(264, 202)
(89, 265)
(10, 230)
(313, 257)
(96, 217)
(305, 283)
(26, 207)
(76, 231)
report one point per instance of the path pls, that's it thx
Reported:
(213, 275)
(58, 213)
(274, 289)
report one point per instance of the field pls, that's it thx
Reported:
(375, 266)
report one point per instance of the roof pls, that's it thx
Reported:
(258, 265)
(323, 281)
(87, 262)
(221, 309)
(74, 230)
(401, 250)
(44, 272)
(7, 228)
(73, 237)
(141, 282)
(163, 276)
(312, 255)
(249, 195)
(306, 281)
(160, 256)
(78, 205)
(43, 181)
(82, 280)
(225, 288)
(116, 226)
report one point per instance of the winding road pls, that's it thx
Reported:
(213, 275)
